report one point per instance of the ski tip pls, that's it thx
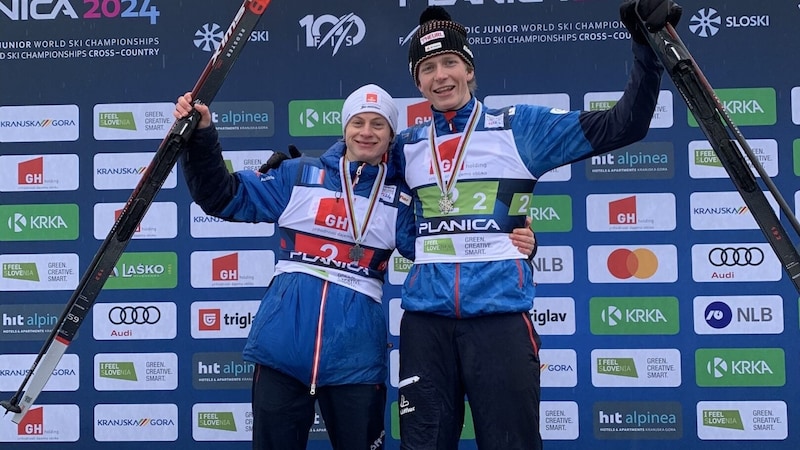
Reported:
(10, 407)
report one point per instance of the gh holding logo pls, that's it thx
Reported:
(334, 32)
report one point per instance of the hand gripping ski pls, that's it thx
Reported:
(723, 135)
(132, 213)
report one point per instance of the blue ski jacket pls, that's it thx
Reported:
(320, 320)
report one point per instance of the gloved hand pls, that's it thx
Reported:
(278, 157)
(654, 13)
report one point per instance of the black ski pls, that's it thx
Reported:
(723, 135)
(134, 210)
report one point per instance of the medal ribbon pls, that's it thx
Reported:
(461, 151)
(348, 186)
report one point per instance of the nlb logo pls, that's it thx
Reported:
(347, 31)
(746, 314)
(718, 315)
(640, 263)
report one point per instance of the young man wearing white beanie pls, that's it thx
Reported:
(320, 333)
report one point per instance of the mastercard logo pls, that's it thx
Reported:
(640, 263)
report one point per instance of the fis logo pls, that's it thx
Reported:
(334, 32)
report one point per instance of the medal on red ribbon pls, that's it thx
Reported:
(348, 186)
(447, 200)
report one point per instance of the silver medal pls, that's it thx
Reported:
(356, 253)
(446, 204)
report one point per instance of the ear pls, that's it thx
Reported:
(470, 73)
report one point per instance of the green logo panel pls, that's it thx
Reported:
(634, 315)
(622, 367)
(157, 270)
(42, 222)
(753, 106)
(315, 117)
(401, 264)
(118, 370)
(117, 120)
(723, 418)
(20, 271)
(219, 420)
(742, 367)
(551, 213)
(707, 157)
(471, 198)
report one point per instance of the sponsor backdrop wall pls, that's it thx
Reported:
(665, 317)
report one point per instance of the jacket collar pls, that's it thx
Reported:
(459, 119)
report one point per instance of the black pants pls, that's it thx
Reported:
(493, 360)
(283, 412)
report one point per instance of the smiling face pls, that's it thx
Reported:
(367, 137)
(444, 80)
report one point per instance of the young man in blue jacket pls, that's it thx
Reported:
(466, 330)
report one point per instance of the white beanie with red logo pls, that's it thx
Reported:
(370, 98)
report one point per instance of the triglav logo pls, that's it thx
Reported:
(332, 31)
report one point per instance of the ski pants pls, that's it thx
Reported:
(493, 360)
(283, 413)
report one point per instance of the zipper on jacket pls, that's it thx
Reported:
(318, 340)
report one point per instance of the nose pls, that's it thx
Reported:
(366, 131)
(439, 72)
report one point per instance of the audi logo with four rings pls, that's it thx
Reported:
(134, 315)
(736, 256)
